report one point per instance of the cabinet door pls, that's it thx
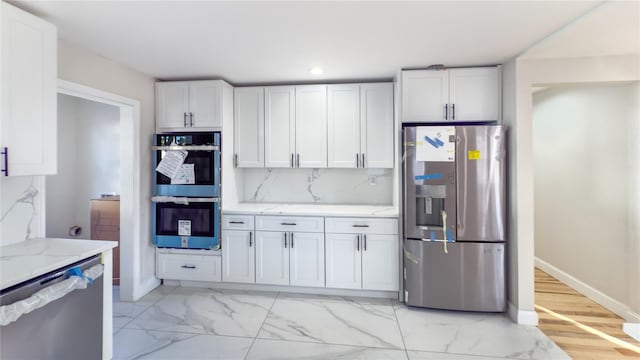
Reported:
(311, 126)
(205, 104)
(29, 122)
(344, 261)
(248, 126)
(343, 116)
(376, 106)
(306, 259)
(238, 256)
(425, 93)
(272, 258)
(474, 94)
(279, 126)
(172, 105)
(380, 262)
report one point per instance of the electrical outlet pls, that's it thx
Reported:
(372, 180)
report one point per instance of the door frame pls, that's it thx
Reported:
(130, 242)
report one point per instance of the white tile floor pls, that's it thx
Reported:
(189, 323)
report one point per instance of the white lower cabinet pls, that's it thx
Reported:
(290, 258)
(272, 258)
(187, 266)
(380, 262)
(344, 261)
(238, 256)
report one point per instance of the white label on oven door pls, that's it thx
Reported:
(184, 227)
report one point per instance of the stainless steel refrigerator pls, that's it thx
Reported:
(454, 217)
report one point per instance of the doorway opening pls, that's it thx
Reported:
(111, 117)
(586, 171)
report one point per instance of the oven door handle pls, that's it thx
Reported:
(181, 200)
(187, 147)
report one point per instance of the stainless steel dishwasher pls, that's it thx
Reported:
(68, 328)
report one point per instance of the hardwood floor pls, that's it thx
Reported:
(581, 327)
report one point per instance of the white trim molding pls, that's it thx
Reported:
(522, 317)
(632, 329)
(599, 297)
(132, 287)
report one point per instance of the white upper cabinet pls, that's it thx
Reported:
(425, 95)
(343, 126)
(464, 94)
(311, 126)
(280, 125)
(360, 124)
(376, 125)
(28, 117)
(474, 94)
(248, 127)
(189, 105)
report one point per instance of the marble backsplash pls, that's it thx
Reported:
(321, 186)
(21, 210)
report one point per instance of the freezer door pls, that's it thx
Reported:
(480, 183)
(470, 277)
(429, 190)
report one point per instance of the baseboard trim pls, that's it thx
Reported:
(601, 298)
(522, 317)
(285, 289)
(632, 329)
(146, 287)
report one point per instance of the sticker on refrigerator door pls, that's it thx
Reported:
(473, 154)
(433, 143)
(184, 227)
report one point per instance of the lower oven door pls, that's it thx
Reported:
(186, 222)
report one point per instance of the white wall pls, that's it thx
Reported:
(81, 66)
(530, 72)
(88, 163)
(321, 186)
(582, 183)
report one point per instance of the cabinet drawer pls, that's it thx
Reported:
(290, 223)
(189, 267)
(361, 226)
(237, 222)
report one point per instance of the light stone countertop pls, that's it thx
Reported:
(31, 258)
(381, 211)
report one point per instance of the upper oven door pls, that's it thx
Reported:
(203, 155)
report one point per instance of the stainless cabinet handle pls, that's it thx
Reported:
(298, 160)
(236, 222)
(453, 112)
(446, 111)
(360, 226)
(288, 223)
(235, 160)
(5, 152)
(357, 160)
(291, 159)
(285, 240)
(357, 242)
(365, 241)
(188, 266)
(291, 237)
(190, 119)
(250, 238)
(184, 119)
(362, 160)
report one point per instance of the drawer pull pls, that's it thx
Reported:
(288, 224)
(360, 226)
(236, 222)
(188, 266)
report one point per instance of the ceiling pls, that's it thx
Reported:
(278, 42)
(613, 29)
